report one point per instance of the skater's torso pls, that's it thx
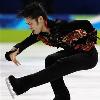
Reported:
(76, 35)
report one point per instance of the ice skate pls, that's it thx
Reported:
(16, 86)
(10, 88)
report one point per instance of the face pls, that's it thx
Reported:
(35, 25)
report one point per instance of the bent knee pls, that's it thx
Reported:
(49, 60)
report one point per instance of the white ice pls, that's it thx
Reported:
(83, 85)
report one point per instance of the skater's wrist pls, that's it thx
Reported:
(7, 55)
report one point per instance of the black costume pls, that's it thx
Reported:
(77, 38)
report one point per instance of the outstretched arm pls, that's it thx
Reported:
(18, 48)
(26, 43)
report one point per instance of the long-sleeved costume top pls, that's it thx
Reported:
(68, 35)
(77, 35)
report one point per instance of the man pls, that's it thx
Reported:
(77, 38)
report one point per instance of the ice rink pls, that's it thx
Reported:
(83, 85)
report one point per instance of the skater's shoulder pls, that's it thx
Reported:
(56, 22)
(80, 21)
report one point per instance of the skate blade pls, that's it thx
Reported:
(12, 93)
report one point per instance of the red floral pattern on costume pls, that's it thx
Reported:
(74, 36)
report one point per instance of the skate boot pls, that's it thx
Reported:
(15, 86)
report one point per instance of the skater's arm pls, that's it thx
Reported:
(79, 24)
(21, 46)
(80, 29)
(26, 43)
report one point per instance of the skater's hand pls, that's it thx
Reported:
(13, 57)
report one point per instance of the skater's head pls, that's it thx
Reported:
(35, 16)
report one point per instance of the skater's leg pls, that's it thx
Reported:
(60, 68)
(58, 85)
(49, 61)
(60, 90)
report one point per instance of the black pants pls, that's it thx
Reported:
(58, 65)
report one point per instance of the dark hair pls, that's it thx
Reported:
(33, 10)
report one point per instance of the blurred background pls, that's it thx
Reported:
(83, 85)
(13, 29)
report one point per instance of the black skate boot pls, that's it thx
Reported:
(15, 86)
